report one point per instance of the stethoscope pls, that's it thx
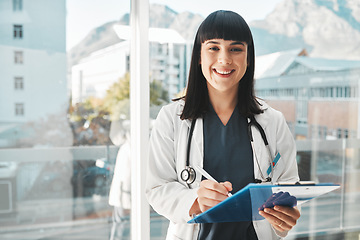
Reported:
(188, 175)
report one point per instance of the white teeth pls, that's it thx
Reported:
(222, 72)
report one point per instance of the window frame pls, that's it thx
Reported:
(19, 83)
(17, 5)
(19, 109)
(18, 31)
(18, 57)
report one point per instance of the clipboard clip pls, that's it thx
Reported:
(300, 183)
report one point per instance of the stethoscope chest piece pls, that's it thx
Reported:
(188, 175)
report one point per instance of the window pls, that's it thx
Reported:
(19, 83)
(339, 92)
(19, 109)
(17, 5)
(60, 156)
(18, 57)
(18, 31)
(128, 63)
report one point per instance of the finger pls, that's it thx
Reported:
(227, 185)
(279, 228)
(214, 186)
(206, 203)
(208, 198)
(289, 211)
(275, 222)
(210, 194)
(280, 217)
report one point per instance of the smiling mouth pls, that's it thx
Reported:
(223, 72)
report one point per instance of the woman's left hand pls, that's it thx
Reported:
(281, 218)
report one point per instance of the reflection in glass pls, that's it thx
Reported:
(58, 151)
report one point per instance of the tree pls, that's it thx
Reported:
(117, 103)
(158, 95)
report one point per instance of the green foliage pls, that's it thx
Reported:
(116, 102)
(158, 95)
(119, 91)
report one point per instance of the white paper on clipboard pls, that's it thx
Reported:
(305, 193)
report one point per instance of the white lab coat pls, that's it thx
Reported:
(120, 195)
(172, 198)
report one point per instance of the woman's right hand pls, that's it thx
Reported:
(211, 193)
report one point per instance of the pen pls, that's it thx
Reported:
(207, 175)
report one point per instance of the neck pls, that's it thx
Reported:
(223, 102)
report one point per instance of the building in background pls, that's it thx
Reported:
(33, 58)
(97, 72)
(318, 97)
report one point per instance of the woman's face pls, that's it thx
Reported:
(223, 63)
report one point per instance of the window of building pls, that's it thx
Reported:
(128, 63)
(18, 57)
(18, 31)
(19, 83)
(339, 133)
(329, 92)
(354, 92)
(347, 92)
(17, 5)
(19, 109)
(339, 92)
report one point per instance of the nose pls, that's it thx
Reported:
(224, 57)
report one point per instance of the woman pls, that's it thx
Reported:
(220, 101)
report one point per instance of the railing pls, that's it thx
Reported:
(47, 193)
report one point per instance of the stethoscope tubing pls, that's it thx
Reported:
(252, 121)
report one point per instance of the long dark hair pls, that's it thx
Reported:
(225, 25)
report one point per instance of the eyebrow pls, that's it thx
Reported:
(233, 43)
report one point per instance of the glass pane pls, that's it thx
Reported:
(61, 128)
(62, 119)
(300, 73)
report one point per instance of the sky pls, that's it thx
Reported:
(84, 15)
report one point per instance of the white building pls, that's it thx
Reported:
(97, 72)
(318, 97)
(33, 63)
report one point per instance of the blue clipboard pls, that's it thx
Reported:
(244, 204)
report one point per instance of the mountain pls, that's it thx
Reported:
(160, 16)
(326, 28)
(100, 37)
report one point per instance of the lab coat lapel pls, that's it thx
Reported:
(197, 148)
(260, 153)
(198, 142)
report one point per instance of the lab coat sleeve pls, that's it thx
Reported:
(286, 147)
(164, 192)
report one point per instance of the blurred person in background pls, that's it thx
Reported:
(120, 190)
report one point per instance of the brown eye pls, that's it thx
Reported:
(236, 50)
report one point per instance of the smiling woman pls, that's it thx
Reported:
(220, 87)
(223, 63)
(56, 157)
